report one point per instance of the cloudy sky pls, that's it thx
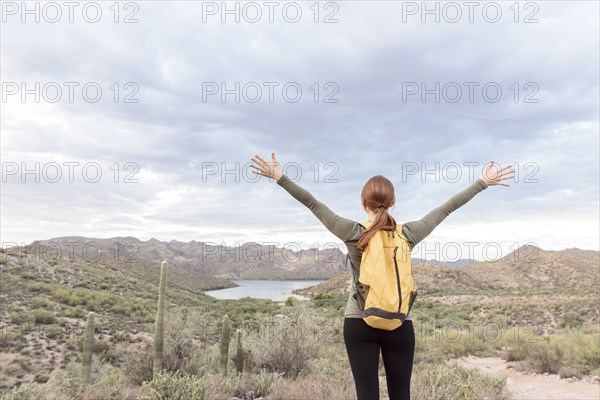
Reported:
(141, 119)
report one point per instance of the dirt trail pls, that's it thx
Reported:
(532, 386)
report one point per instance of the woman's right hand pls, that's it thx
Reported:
(268, 169)
(494, 176)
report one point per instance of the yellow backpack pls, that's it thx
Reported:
(385, 291)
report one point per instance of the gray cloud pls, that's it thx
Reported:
(370, 56)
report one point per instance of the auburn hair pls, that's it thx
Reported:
(377, 195)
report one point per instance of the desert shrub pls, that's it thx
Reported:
(74, 312)
(41, 378)
(571, 319)
(516, 352)
(108, 383)
(580, 351)
(40, 302)
(245, 309)
(69, 386)
(36, 286)
(120, 337)
(441, 382)
(568, 372)
(78, 296)
(27, 391)
(291, 301)
(544, 356)
(139, 364)
(327, 304)
(286, 345)
(175, 386)
(41, 316)
(265, 381)
(573, 350)
(179, 350)
(517, 341)
(332, 363)
(53, 332)
(16, 318)
(12, 340)
(138, 311)
(312, 387)
(100, 346)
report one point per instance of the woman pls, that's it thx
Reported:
(363, 342)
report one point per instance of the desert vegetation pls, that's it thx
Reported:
(102, 330)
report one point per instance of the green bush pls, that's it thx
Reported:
(544, 356)
(109, 384)
(40, 302)
(41, 316)
(179, 350)
(120, 337)
(16, 318)
(53, 332)
(74, 312)
(36, 286)
(441, 382)
(265, 381)
(138, 311)
(27, 391)
(291, 301)
(571, 320)
(580, 351)
(175, 386)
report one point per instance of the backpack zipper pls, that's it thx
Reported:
(398, 280)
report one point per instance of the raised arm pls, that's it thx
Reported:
(340, 227)
(416, 231)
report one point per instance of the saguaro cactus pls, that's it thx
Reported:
(160, 319)
(224, 344)
(88, 349)
(239, 356)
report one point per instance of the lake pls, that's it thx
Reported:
(263, 289)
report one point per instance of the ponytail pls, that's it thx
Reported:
(377, 195)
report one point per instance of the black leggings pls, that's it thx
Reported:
(363, 344)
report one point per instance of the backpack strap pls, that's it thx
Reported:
(366, 224)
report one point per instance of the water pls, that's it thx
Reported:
(263, 289)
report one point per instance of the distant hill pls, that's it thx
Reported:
(248, 261)
(528, 267)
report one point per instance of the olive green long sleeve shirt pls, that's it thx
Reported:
(349, 231)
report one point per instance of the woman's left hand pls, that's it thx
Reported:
(494, 176)
(268, 169)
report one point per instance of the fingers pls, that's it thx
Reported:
(259, 170)
(263, 167)
(262, 162)
(502, 173)
(260, 167)
(507, 174)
